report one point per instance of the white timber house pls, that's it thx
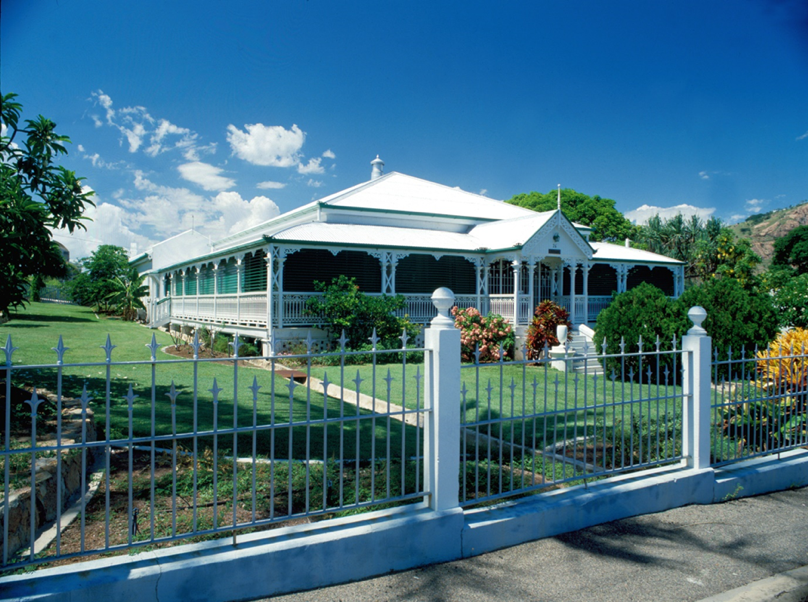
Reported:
(396, 234)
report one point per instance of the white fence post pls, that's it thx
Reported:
(442, 393)
(696, 385)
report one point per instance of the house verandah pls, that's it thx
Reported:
(496, 257)
(230, 293)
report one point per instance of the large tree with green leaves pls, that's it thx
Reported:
(708, 248)
(792, 250)
(607, 223)
(105, 269)
(36, 196)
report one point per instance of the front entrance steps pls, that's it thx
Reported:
(585, 361)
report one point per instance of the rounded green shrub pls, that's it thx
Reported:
(641, 314)
(737, 318)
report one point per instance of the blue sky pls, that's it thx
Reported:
(219, 115)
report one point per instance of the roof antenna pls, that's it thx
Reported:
(192, 223)
(559, 197)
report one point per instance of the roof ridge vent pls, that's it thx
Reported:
(378, 168)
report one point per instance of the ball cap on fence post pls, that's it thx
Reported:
(443, 299)
(697, 315)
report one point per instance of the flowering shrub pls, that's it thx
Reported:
(542, 332)
(776, 411)
(488, 332)
(789, 372)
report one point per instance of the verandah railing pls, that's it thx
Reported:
(250, 309)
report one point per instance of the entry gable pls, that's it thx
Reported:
(558, 238)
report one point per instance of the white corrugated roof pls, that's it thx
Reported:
(606, 250)
(504, 234)
(399, 192)
(378, 236)
(510, 226)
(509, 233)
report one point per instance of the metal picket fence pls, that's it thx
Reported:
(109, 456)
(536, 424)
(759, 403)
(204, 447)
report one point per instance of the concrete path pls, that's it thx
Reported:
(686, 554)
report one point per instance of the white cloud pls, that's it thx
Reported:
(312, 167)
(483, 191)
(735, 218)
(237, 214)
(267, 145)
(755, 205)
(704, 175)
(134, 136)
(136, 124)
(193, 152)
(314, 183)
(106, 102)
(80, 147)
(97, 161)
(270, 184)
(803, 137)
(108, 227)
(329, 154)
(164, 129)
(165, 209)
(642, 214)
(206, 175)
(4, 133)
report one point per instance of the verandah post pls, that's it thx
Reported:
(696, 389)
(442, 395)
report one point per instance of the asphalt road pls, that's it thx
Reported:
(680, 555)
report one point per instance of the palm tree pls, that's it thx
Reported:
(126, 294)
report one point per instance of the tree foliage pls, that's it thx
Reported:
(738, 320)
(607, 223)
(791, 302)
(344, 307)
(792, 250)
(127, 291)
(36, 196)
(708, 248)
(737, 317)
(98, 283)
(644, 314)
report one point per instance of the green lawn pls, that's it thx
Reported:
(557, 405)
(542, 405)
(36, 329)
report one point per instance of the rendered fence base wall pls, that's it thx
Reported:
(310, 556)
(572, 509)
(762, 475)
(290, 559)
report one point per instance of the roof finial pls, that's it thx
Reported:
(559, 197)
(378, 168)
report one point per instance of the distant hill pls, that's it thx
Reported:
(764, 228)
